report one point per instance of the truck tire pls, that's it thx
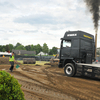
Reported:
(69, 69)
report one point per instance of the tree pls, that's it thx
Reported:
(32, 47)
(21, 47)
(11, 47)
(28, 48)
(3, 50)
(7, 48)
(38, 48)
(18, 44)
(45, 48)
(50, 52)
(1, 47)
(53, 51)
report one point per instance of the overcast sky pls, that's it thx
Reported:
(42, 21)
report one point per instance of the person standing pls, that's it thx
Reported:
(11, 60)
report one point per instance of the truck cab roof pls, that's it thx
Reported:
(78, 34)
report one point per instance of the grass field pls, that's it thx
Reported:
(37, 62)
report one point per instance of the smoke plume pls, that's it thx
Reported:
(94, 8)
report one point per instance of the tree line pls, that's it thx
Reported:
(37, 48)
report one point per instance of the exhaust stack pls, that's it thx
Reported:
(95, 45)
(94, 8)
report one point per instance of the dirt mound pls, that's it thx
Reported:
(47, 64)
(54, 61)
(5, 60)
(37, 65)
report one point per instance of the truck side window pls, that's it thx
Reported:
(66, 43)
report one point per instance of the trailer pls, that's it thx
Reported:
(77, 53)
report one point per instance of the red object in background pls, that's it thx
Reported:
(96, 60)
(8, 51)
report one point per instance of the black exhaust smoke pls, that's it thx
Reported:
(93, 6)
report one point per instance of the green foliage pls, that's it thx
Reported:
(32, 47)
(11, 47)
(7, 48)
(10, 89)
(37, 48)
(0, 47)
(3, 50)
(45, 48)
(20, 47)
(53, 51)
(18, 44)
(28, 48)
(29, 54)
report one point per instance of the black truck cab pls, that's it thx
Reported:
(76, 47)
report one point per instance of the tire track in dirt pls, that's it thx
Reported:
(69, 92)
(86, 90)
(49, 76)
(42, 91)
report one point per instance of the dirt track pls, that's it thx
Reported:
(50, 83)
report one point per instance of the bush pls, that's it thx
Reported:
(10, 89)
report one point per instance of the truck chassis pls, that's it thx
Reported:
(92, 70)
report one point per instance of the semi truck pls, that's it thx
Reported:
(77, 53)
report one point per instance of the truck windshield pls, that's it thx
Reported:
(66, 43)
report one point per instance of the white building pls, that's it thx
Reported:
(42, 53)
(5, 53)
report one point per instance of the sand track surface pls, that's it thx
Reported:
(50, 83)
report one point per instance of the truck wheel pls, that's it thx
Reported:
(69, 69)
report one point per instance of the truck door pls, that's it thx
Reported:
(66, 48)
